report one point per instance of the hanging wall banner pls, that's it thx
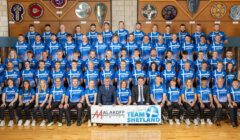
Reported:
(193, 5)
(218, 10)
(17, 12)
(59, 3)
(169, 12)
(149, 12)
(100, 12)
(83, 10)
(235, 12)
(35, 10)
(132, 114)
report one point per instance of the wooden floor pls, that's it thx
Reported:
(131, 132)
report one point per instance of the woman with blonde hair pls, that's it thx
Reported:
(13, 57)
(189, 99)
(42, 93)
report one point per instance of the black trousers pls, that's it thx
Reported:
(50, 114)
(89, 112)
(206, 106)
(188, 109)
(79, 112)
(235, 109)
(225, 106)
(178, 107)
(10, 109)
(41, 111)
(27, 111)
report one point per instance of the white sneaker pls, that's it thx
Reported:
(202, 122)
(89, 123)
(177, 121)
(27, 123)
(209, 122)
(59, 124)
(187, 121)
(50, 124)
(10, 123)
(170, 121)
(94, 124)
(33, 122)
(2, 123)
(43, 123)
(196, 122)
(20, 123)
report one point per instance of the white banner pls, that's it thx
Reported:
(132, 114)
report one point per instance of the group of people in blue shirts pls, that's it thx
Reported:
(63, 71)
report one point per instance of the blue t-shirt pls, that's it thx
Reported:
(26, 95)
(57, 93)
(212, 36)
(123, 35)
(181, 36)
(38, 48)
(10, 93)
(145, 50)
(73, 74)
(167, 38)
(75, 93)
(219, 47)
(69, 49)
(91, 75)
(62, 37)
(46, 37)
(138, 37)
(203, 73)
(221, 93)
(122, 75)
(235, 94)
(107, 73)
(100, 49)
(130, 47)
(42, 75)
(157, 91)
(107, 37)
(196, 37)
(91, 93)
(123, 95)
(84, 49)
(189, 93)
(175, 47)
(168, 75)
(153, 37)
(92, 37)
(151, 75)
(77, 37)
(42, 94)
(22, 49)
(12, 74)
(184, 75)
(116, 48)
(173, 94)
(52, 48)
(30, 37)
(190, 48)
(204, 93)
(161, 49)
(58, 74)
(136, 74)
(28, 75)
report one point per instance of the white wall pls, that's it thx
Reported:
(125, 10)
(3, 18)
